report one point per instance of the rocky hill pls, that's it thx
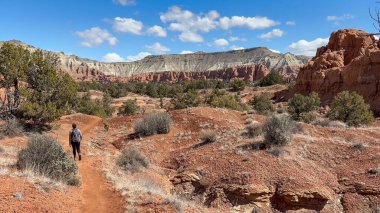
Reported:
(350, 61)
(225, 65)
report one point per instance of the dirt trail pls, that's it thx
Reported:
(98, 195)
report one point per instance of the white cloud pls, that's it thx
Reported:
(248, 22)
(157, 31)
(113, 57)
(186, 52)
(127, 25)
(125, 2)
(275, 51)
(157, 48)
(235, 38)
(273, 33)
(189, 24)
(96, 36)
(234, 47)
(290, 23)
(340, 18)
(309, 48)
(139, 56)
(221, 42)
(190, 37)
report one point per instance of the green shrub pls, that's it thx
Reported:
(237, 85)
(208, 136)
(156, 123)
(132, 160)
(101, 108)
(279, 130)
(303, 104)
(221, 99)
(263, 103)
(46, 156)
(13, 127)
(254, 130)
(308, 117)
(272, 79)
(130, 107)
(351, 109)
(185, 100)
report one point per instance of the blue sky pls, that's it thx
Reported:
(125, 30)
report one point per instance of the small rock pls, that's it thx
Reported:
(18, 195)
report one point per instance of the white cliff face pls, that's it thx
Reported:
(195, 62)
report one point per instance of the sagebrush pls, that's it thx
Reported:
(254, 130)
(279, 130)
(155, 123)
(46, 156)
(132, 160)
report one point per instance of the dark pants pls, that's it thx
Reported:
(76, 148)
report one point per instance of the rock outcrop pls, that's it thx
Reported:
(251, 73)
(250, 64)
(350, 61)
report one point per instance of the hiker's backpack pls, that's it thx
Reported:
(75, 135)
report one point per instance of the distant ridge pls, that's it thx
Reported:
(287, 64)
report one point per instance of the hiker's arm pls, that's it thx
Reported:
(81, 136)
(70, 138)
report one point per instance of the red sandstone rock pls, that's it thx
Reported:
(350, 61)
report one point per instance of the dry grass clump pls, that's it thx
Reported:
(325, 122)
(208, 136)
(13, 127)
(132, 160)
(45, 156)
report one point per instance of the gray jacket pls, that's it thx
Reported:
(70, 139)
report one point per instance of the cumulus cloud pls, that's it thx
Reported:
(290, 23)
(253, 23)
(221, 42)
(189, 24)
(308, 48)
(96, 36)
(235, 38)
(113, 57)
(125, 2)
(139, 56)
(157, 31)
(234, 47)
(157, 48)
(127, 25)
(273, 33)
(275, 51)
(186, 52)
(190, 37)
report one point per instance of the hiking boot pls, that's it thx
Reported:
(80, 157)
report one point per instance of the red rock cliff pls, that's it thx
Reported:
(250, 73)
(350, 61)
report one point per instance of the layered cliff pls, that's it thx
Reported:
(350, 61)
(224, 65)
